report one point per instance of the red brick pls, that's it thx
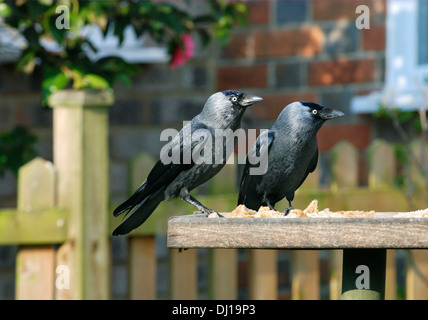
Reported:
(331, 133)
(344, 10)
(239, 46)
(258, 12)
(254, 76)
(305, 41)
(374, 38)
(341, 72)
(272, 105)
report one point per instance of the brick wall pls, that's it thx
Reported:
(290, 51)
(308, 50)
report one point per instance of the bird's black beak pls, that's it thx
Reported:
(327, 113)
(247, 100)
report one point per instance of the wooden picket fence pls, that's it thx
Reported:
(63, 221)
(344, 193)
(37, 225)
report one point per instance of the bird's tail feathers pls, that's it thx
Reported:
(140, 213)
(136, 198)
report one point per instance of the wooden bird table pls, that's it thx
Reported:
(364, 241)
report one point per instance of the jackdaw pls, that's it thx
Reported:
(191, 158)
(291, 148)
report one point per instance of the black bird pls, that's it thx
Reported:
(191, 158)
(290, 151)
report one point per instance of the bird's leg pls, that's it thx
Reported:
(270, 206)
(287, 211)
(186, 196)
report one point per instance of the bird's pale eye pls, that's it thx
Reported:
(314, 112)
(234, 99)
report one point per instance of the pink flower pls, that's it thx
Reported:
(184, 52)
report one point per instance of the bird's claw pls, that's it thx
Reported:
(207, 212)
(287, 211)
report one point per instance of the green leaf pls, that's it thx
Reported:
(5, 11)
(26, 62)
(94, 81)
(46, 2)
(124, 78)
(204, 36)
(16, 149)
(55, 82)
(58, 34)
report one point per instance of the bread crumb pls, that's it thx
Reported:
(311, 211)
(412, 214)
(242, 211)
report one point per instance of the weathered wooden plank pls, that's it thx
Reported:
(35, 265)
(36, 227)
(417, 275)
(81, 158)
(382, 174)
(381, 161)
(391, 276)
(142, 268)
(345, 165)
(63, 284)
(336, 259)
(35, 270)
(263, 276)
(36, 185)
(418, 165)
(305, 284)
(223, 274)
(183, 275)
(381, 231)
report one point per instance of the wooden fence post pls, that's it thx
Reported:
(381, 160)
(142, 268)
(35, 265)
(183, 274)
(263, 274)
(305, 284)
(417, 274)
(345, 175)
(142, 251)
(305, 264)
(81, 158)
(223, 274)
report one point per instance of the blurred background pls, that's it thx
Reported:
(162, 59)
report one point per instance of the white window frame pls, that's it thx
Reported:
(132, 50)
(405, 84)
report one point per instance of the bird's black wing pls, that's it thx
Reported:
(311, 167)
(247, 190)
(162, 174)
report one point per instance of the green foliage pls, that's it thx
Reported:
(16, 149)
(401, 153)
(403, 117)
(71, 67)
